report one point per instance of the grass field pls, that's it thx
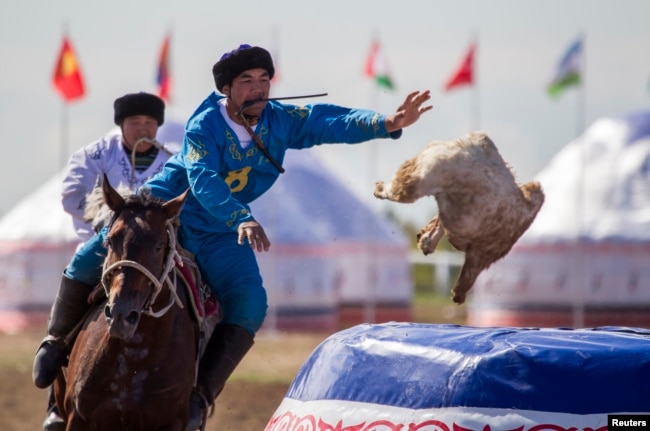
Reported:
(251, 396)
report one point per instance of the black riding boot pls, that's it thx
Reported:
(69, 307)
(227, 347)
(53, 421)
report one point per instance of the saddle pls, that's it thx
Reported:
(203, 302)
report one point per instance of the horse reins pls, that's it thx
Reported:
(173, 258)
(258, 141)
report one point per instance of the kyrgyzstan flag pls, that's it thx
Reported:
(163, 77)
(464, 75)
(67, 77)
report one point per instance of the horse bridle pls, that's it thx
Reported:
(258, 142)
(173, 258)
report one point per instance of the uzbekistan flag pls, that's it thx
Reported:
(568, 70)
(163, 79)
(377, 67)
(464, 75)
(67, 79)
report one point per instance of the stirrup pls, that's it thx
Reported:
(196, 398)
(53, 421)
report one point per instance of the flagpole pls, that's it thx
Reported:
(570, 72)
(579, 304)
(370, 309)
(581, 98)
(65, 136)
(65, 124)
(275, 53)
(377, 56)
(65, 115)
(370, 314)
(475, 108)
(475, 114)
(68, 82)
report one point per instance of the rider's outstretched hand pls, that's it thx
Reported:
(254, 233)
(409, 111)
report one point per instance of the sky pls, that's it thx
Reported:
(322, 47)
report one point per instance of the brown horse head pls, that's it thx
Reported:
(140, 239)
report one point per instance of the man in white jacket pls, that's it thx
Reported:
(128, 158)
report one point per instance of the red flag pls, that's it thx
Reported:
(163, 79)
(67, 77)
(465, 73)
(377, 66)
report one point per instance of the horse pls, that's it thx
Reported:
(133, 364)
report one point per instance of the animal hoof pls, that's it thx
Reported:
(458, 299)
(425, 245)
(379, 190)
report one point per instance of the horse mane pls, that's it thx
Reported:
(99, 214)
(142, 198)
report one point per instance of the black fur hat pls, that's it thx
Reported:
(139, 104)
(246, 57)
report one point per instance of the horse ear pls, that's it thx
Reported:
(173, 207)
(112, 198)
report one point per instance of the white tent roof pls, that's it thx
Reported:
(598, 186)
(39, 217)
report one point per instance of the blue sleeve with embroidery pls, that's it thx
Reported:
(328, 124)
